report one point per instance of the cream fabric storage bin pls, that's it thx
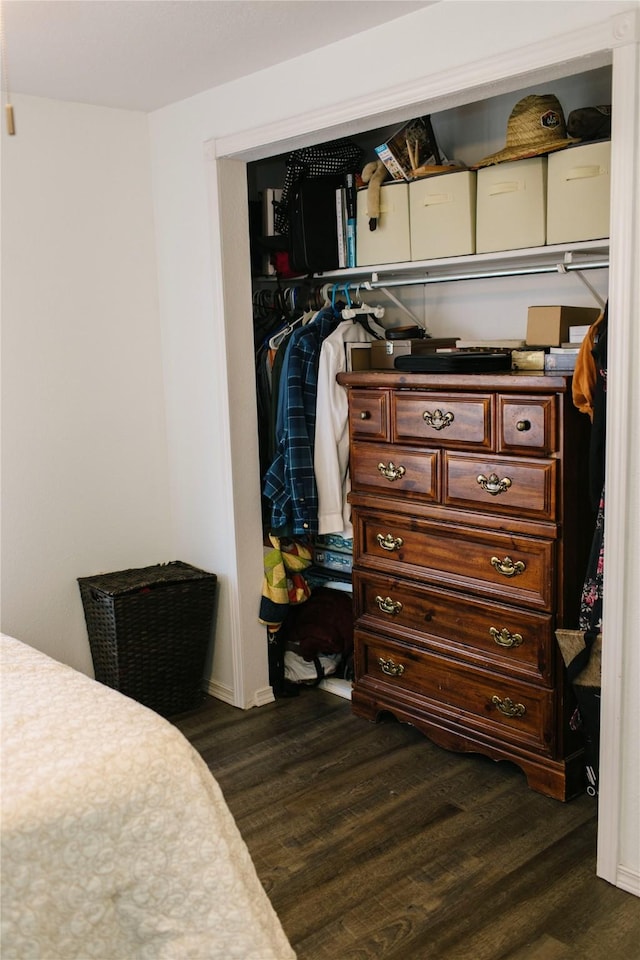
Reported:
(389, 242)
(512, 205)
(578, 193)
(442, 215)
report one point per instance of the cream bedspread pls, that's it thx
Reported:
(117, 843)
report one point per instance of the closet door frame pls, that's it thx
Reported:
(614, 42)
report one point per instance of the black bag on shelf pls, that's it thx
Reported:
(313, 229)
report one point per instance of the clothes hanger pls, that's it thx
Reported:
(334, 306)
(347, 313)
(287, 301)
(351, 312)
(302, 300)
(277, 338)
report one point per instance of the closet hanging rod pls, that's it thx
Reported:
(486, 275)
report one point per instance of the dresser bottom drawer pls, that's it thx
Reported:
(499, 708)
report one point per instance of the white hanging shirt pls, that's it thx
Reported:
(331, 450)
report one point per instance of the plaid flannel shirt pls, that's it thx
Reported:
(290, 483)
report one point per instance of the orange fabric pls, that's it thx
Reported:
(585, 373)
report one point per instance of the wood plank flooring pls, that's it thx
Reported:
(375, 844)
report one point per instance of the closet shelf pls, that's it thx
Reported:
(562, 258)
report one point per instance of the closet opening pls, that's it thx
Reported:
(467, 297)
(490, 310)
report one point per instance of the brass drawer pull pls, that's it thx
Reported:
(508, 707)
(390, 668)
(387, 605)
(365, 415)
(507, 567)
(523, 425)
(493, 484)
(390, 471)
(389, 542)
(504, 638)
(438, 420)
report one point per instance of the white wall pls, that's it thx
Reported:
(84, 457)
(310, 99)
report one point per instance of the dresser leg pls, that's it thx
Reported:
(561, 780)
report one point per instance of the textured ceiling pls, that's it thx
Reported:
(144, 54)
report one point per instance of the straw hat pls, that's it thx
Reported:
(536, 125)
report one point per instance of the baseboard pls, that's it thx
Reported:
(261, 697)
(628, 880)
(338, 686)
(222, 692)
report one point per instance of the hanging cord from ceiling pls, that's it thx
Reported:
(11, 124)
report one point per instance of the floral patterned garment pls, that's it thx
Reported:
(591, 603)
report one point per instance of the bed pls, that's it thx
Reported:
(117, 843)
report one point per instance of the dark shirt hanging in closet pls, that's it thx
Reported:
(290, 483)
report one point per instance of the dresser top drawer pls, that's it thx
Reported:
(527, 425)
(443, 419)
(369, 414)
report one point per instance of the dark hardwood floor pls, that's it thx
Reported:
(374, 844)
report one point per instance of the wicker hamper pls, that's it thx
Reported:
(149, 630)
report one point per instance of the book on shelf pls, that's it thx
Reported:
(493, 343)
(528, 359)
(578, 333)
(412, 146)
(560, 361)
(341, 227)
(350, 201)
(573, 348)
(270, 197)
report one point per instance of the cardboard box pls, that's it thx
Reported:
(390, 242)
(512, 205)
(384, 352)
(358, 356)
(549, 326)
(442, 217)
(578, 188)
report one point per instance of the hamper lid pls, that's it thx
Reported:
(133, 580)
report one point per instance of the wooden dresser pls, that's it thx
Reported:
(471, 535)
